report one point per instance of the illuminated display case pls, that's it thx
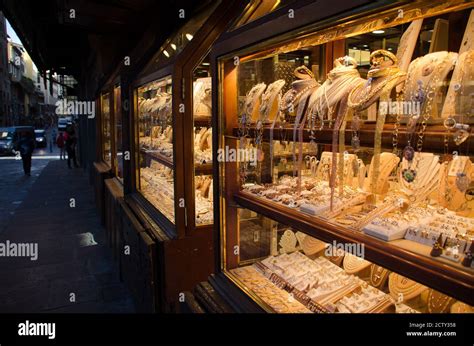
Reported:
(106, 128)
(155, 142)
(172, 126)
(349, 134)
(118, 133)
(161, 114)
(171, 185)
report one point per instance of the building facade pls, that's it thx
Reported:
(5, 92)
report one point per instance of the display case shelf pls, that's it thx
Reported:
(458, 282)
(155, 155)
(202, 121)
(205, 169)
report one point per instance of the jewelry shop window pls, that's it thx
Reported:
(118, 133)
(106, 129)
(288, 271)
(359, 132)
(155, 144)
(202, 98)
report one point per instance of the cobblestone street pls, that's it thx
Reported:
(74, 271)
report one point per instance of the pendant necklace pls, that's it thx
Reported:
(355, 124)
(462, 180)
(409, 173)
(462, 133)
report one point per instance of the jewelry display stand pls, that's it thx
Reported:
(466, 45)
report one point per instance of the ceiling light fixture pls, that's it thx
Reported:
(173, 46)
(166, 53)
(378, 32)
(189, 37)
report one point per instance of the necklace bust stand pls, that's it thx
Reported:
(454, 179)
(311, 246)
(467, 44)
(463, 86)
(298, 91)
(387, 163)
(426, 77)
(438, 302)
(340, 81)
(379, 277)
(425, 169)
(253, 100)
(357, 266)
(461, 308)
(270, 104)
(407, 291)
(383, 76)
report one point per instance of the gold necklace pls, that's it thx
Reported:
(362, 104)
(438, 302)
(378, 275)
(400, 285)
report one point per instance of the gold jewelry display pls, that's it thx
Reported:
(353, 264)
(340, 81)
(461, 308)
(270, 101)
(382, 77)
(404, 289)
(312, 245)
(438, 302)
(378, 276)
(302, 72)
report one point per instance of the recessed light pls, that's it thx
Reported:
(365, 45)
(205, 63)
(189, 37)
(173, 46)
(378, 32)
(165, 52)
(354, 48)
(390, 48)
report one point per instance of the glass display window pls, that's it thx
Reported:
(356, 132)
(288, 271)
(118, 133)
(202, 109)
(178, 134)
(154, 128)
(106, 129)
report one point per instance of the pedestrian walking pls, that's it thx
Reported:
(61, 143)
(52, 140)
(71, 141)
(26, 146)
